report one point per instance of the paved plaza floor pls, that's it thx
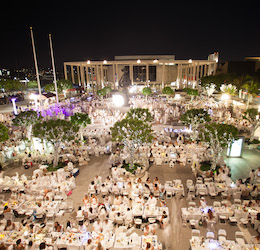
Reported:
(178, 235)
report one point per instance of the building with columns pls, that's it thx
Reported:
(156, 71)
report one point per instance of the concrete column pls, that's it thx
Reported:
(83, 80)
(147, 74)
(101, 76)
(194, 75)
(91, 75)
(114, 76)
(97, 78)
(65, 71)
(215, 68)
(117, 77)
(205, 69)
(87, 76)
(72, 74)
(105, 75)
(197, 74)
(163, 75)
(78, 73)
(131, 71)
(201, 71)
(181, 77)
(186, 75)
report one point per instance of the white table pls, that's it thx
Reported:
(191, 213)
(201, 188)
(151, 239)
(197, 244)
(128, 242)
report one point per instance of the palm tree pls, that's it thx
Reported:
(251, 86)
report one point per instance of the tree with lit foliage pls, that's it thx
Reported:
(217, 136)
(81, 120)
(228, 89)
(147, 91)
(167, 91)
(62, 86)
(56, 132)
(10, 85)
(252, 116)
(3, 133)
(133, 131)
(27, 119)
(195, 118)
(191, 92)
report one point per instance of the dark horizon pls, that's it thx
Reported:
(88, 31)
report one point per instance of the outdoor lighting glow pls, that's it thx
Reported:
(138, 61)
(118, 100)
(105, 62)
(225, 97)
(190, 61)
(32, 96)
(235, 148)
(132, 89)
(177, 96)
(155, 61)
(88, 62)
(212, 245)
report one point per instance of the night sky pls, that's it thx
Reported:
(100, 30)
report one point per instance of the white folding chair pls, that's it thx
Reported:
(168, 195)
(216, 204)
(195, 234)
(240, 239)
(222, 235)
(210, 235)
(192, 204)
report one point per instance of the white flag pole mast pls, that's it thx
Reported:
(36, 69)
(54, 71)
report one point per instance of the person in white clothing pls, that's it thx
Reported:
(107, 226)
(97, 226)
(82, 229)
(117, 200)
(139, 199)
(152, 200)
(129, 217)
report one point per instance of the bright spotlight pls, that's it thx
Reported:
(32, 96)
(118, 100)
(225, 97)
(132, 89)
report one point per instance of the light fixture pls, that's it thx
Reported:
(132, 89)
(14, 106)
(177, 96)
(225, 97)
(138, 61)
(118, 100)
(88, 62)
(105, 61)
(190, 61)
(155, 61)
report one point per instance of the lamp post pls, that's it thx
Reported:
(53, 69)
(14, 106)
(36, 69)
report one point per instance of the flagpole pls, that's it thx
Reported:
(54, 71)
(36, 69)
